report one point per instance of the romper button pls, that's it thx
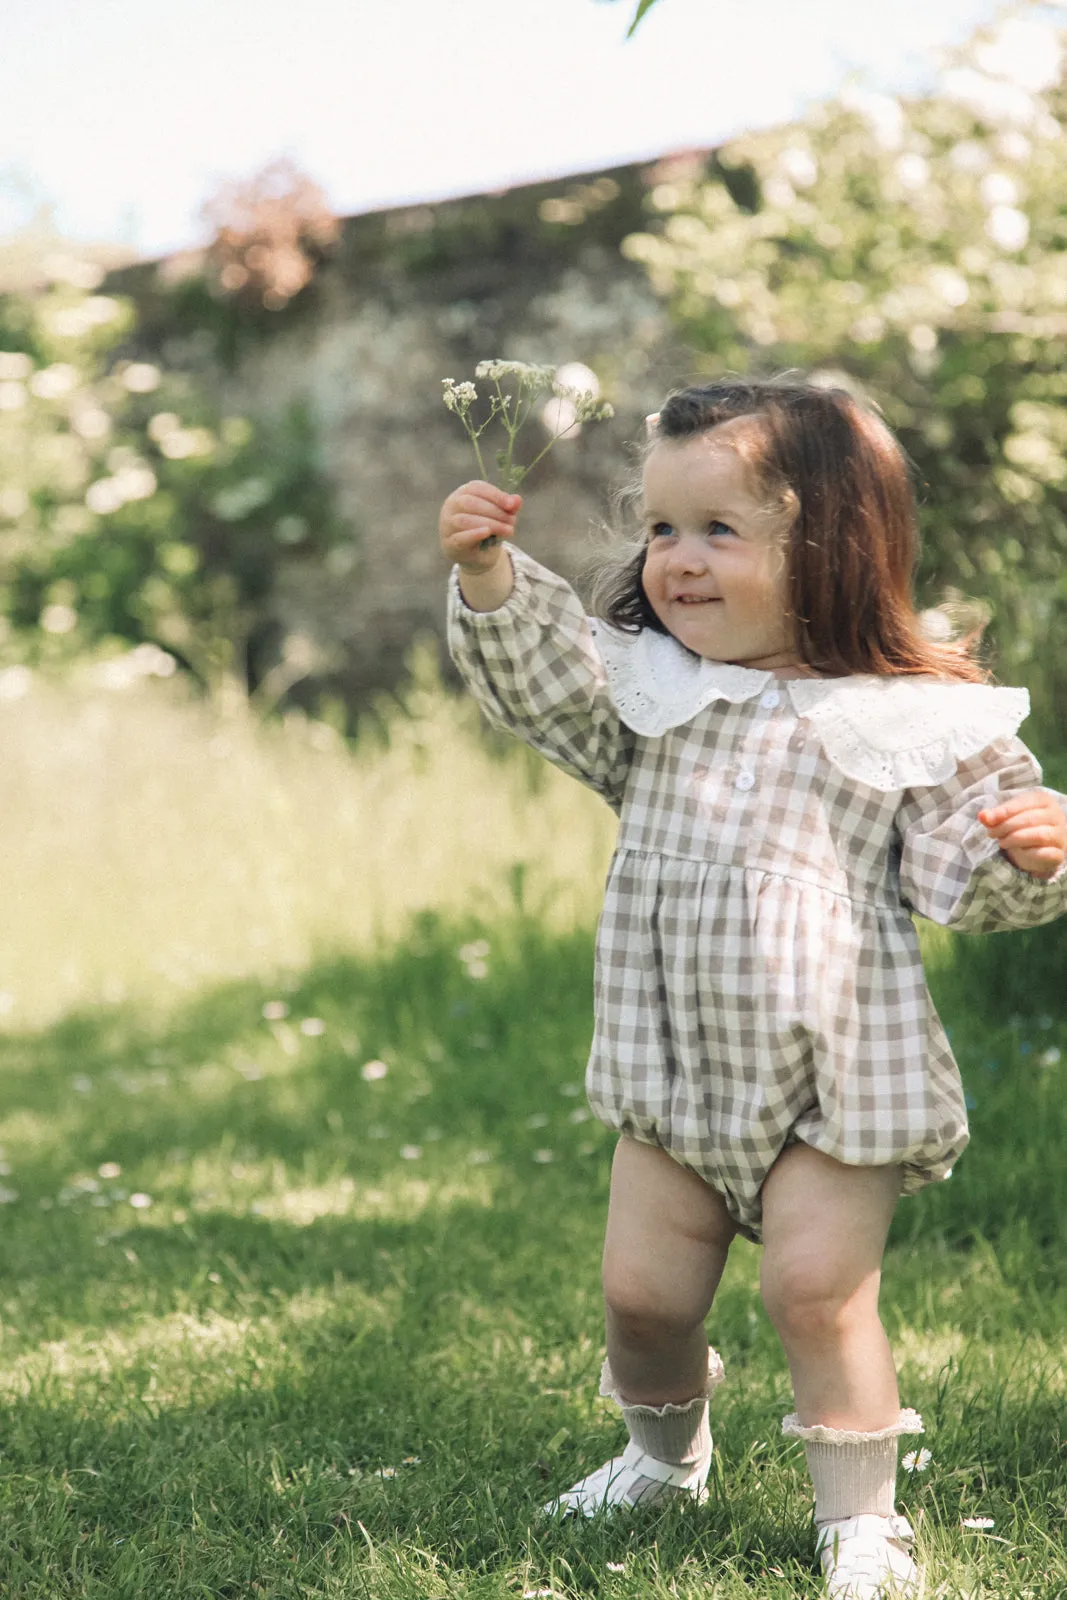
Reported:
(745, 780)
(771, 699)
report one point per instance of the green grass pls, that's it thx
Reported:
(300, 1254)
(352, 1343)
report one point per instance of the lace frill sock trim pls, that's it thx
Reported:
(908, 1422)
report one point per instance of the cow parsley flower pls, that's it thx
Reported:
(573, 399)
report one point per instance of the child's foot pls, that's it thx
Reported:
(866, 1558)
(631, 1479)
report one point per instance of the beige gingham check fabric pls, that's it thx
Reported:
(758, 979)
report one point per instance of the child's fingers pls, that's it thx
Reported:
(1039, 863)
(1027, 800)
(467, 521)
(478, 509)
(484, 499)
(1037, 837)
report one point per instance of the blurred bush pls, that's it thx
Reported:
(132, 509)
(269, 233)
(914, 251)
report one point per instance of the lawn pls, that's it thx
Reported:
(301, 1236)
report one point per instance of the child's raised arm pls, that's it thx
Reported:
(474, 519)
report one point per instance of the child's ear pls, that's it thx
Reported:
(651, 423)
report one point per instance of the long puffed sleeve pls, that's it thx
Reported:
(952, 871)
(535, 671)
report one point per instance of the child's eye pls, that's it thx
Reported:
(660, 530)
(716, 527)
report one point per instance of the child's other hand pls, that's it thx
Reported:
(472, 514)
(1031, 829)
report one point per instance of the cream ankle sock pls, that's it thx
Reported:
(852, 1472)
(678, 1434)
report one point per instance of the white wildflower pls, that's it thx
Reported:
(58, 619)
(313, 1027)
(140, 1202)
(141, 377)
(916, 1460)
(1008, 227)
(574, 399)
(525, 373)
(410, 1152)
(913, 171)
(51, 383)
(999, 189)
(275, 1010)
(981, 1524)
(14, 364)
(1049, 1057)
(372, 1071)
(458, 397)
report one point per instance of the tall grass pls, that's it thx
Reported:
(150, 847)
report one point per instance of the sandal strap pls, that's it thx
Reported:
(866, 1526)
(647, 1466)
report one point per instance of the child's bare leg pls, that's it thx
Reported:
(668, 1235)
(824, 1229)
(667, 1239)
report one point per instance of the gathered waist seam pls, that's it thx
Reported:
(872, 898)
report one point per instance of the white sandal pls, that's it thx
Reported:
(866, 1558)
(631, 1479)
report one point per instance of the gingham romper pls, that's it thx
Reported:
(758, 978)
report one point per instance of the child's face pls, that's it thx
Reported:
(714, 568)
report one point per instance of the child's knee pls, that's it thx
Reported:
(811, 1300)
(638, 1307)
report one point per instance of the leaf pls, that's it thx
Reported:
(643, 8)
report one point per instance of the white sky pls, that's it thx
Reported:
(126, 114)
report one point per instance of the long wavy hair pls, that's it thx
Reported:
(851, 545)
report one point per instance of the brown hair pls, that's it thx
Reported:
(853, 540)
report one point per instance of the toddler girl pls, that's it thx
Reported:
(797, 768)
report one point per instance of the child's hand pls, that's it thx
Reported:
(1031, 829)
(472, 514)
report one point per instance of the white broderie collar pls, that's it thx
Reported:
(887, 733)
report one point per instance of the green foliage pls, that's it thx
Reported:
(132, 509)
(914, 251)
(641, 11)
(643, 8)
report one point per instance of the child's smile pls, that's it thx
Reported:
(714, 570)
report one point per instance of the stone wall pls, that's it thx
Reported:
(421, 293)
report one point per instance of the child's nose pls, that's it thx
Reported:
(688, 555)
